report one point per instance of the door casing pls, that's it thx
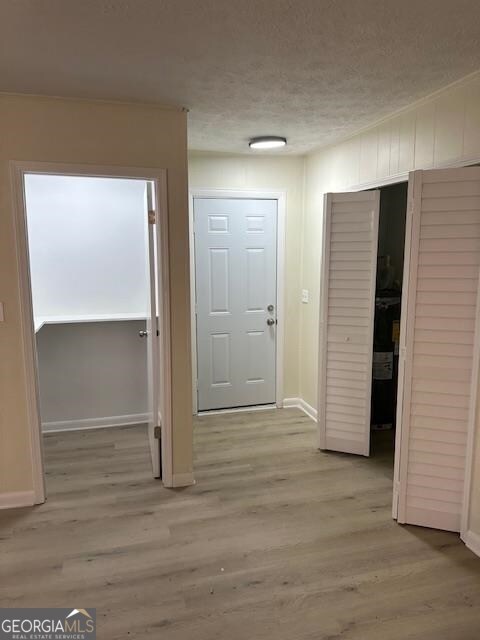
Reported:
(280, 197)
(159, 178)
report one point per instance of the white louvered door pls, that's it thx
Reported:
(443, 254)
(347, 307)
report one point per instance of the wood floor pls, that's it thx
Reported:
(276, 540)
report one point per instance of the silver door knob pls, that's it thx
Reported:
(270, 321)
(143, 334)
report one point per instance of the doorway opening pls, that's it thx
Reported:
(362, 265)
(437, 338)
(387, 314)
(92, 256)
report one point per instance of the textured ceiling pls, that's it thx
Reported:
(311, 70)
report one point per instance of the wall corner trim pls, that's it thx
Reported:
(299, 403)
(472, 541)
(17, 499)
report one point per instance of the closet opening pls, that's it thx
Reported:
(95, 296)
(386, 334)
(379, 376)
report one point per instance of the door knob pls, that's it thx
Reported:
(270, 321)
(143, 334)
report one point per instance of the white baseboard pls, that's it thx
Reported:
(17, 499)
(95, 423)
(299, 403)
(472, 540)
(182, 480)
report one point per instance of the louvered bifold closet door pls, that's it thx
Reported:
(441, 300)
(349, 263)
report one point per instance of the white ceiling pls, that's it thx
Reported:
(311, 70)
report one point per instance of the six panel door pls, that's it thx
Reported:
(235, 272)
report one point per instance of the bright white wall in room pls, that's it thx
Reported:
(87, 245)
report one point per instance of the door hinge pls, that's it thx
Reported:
(157, 433)
(152, 218)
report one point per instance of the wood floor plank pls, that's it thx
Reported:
(276, 540)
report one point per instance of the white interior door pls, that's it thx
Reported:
(235, 273)
(152, 337)
(441, 275)
(347, 308)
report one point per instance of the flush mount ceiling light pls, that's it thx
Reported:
(267, 142)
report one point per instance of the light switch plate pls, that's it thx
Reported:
(305, 296)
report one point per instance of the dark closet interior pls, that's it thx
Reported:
(391, 245)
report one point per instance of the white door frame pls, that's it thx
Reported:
(29, 350)
(280, 197)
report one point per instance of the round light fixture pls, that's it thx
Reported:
(267, 142)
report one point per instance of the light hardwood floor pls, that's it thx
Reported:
(276, 540)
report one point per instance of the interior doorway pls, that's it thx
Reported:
(92, 253)
(361, 307)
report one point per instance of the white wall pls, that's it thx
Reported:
(87, 245)
(94, 372)
(276, 173)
